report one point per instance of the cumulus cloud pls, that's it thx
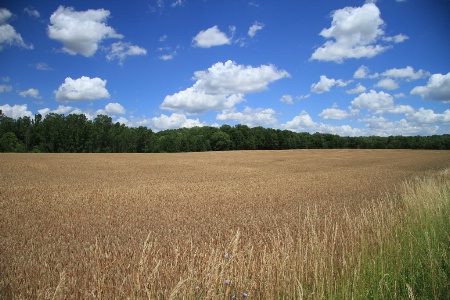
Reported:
(255, 28)
(8, 35)
(174, 121)
(407, 73)
(16, 111)
(354, 32)
(428, 116)
(121, 50)
(304, 123)
(249, 116)
(196, 101)
(222, 86)
(357, 90)
(80, 32)
(231, 78)
(63, 109)
(381, 126)
(378, 103)
(325, 84)
(33, 93)
(334, 114)
(210, 37)
(437, 88)
(387, 83)
(81, 89)
(114, 109)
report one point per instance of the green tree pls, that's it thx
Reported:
(10, 143)
(221, 141)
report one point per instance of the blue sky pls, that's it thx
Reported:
(351, 68)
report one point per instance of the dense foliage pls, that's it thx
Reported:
(75, 133)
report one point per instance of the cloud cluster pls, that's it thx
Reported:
(16, 111)
(175, 120)
(354, 33)
(82, 89)
(8, 35)
(82, 32)
(250, 117)
(222, 86)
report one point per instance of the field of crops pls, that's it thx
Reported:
(256, 224)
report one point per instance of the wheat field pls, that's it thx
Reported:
(290, 224)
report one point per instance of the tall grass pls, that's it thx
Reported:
(411, 256)
(397, 248)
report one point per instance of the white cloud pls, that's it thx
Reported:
(427, 116)
(250, 117)
(16, 111)
(34, 93)
(121, 50)
(304, 123)
(81, 89)
(32, 12)
(62, 109)
(380, 126)
(80, 32)
(177, 3)
(230, 78)
(123, 121)
(286, 99)
(301, 97)
(255, 28)
(168, 56)
(325, 84)
(357, 90)
(43, 111)
(437, 88)
(400, 95)
(363, 72)
(42, 66)
(114, 108)
(8, 35)
(174, 121)
(407, 73)
(222, 86)
(334, 114)
(399, 38)
(355, 31)
(5, 88)
(387, 83)
(210, 37)
(195, 101)
(378, 103)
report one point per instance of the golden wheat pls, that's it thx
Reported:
(270, 224)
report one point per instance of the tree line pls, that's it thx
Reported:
(75, 133)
